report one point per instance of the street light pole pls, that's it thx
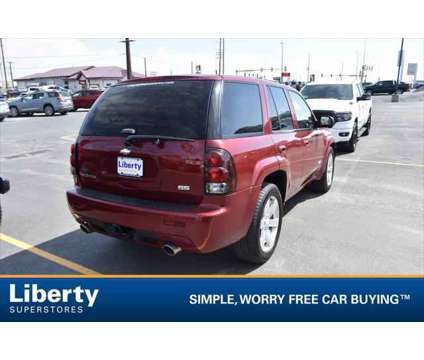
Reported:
(11, 73)
(127, 42)
(400, 61)
(145, 66)
(308, 69)
(4, 64)
(223, 56)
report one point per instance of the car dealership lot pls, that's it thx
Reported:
(371, 221)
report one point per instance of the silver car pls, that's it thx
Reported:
(4, 109)
(47, 102)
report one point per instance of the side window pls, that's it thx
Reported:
(283, 108)
(273, 114)
(37, 96)
(360, 89)
(241, 109)
(303, 114)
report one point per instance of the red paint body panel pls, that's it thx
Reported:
(87, 100)
(206, 222)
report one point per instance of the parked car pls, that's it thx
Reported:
(197, 162)
(347, 104)
(83, 99)
(4, 109)
(387, 87)
(418, 84)
(48, 102)
(4, 188)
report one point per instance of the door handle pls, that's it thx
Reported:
(306, 141)
(282, 148)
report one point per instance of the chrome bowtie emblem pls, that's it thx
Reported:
(125, 151)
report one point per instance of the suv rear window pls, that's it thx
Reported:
(241, 110)
(171, 108)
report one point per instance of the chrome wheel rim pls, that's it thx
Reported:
(330, 168)
(13, 112)
(49, 111)
(269, 224)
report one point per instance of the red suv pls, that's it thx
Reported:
(84, 99)
(197, 163)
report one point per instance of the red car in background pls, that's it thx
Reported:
(83, 99)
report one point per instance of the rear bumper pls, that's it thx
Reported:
(4, 114)
(64, 107)
(198, 228)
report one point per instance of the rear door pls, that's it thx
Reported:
(288, 145)
(164, 160)
(312, 138)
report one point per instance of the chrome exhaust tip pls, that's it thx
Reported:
(85, 229)
(170, 249)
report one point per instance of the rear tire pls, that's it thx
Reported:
(262, 238)
(1, 118)
(322, 185)
(14, 112)
(48, 110)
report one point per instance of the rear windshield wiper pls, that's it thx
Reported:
(157, 138)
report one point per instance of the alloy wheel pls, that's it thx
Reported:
(269, 224)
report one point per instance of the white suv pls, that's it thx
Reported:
(347, 103)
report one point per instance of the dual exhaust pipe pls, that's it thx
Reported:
(168, 248)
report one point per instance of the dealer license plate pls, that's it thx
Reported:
(127, 166)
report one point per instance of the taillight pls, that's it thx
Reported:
(220, 177)
(74, 162)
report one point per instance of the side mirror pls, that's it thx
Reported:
(364, 97)
(326, 121)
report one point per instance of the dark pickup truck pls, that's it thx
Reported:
(387, 87)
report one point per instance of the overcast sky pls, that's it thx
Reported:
(328, 56)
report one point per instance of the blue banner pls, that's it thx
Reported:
(211, 299)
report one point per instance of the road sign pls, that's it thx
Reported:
(412, 69)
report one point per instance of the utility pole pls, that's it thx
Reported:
(4, 64)
(282, 62)
(127, 42)
(400, 60)
(11, 73)
(191, 67)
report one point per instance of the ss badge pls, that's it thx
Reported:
(183, 187)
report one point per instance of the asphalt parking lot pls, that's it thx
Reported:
(371, 222)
